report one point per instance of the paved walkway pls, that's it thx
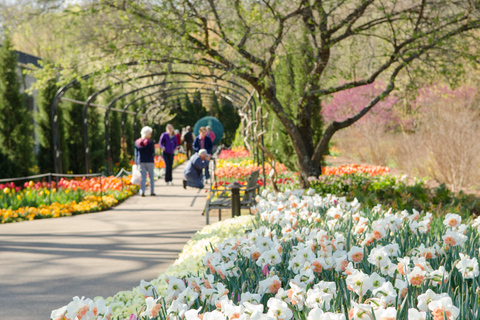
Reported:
(44, 263)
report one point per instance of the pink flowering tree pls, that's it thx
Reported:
(429, 96)
(347, 103)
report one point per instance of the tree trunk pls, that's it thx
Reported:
(306, 166)
(300, 135)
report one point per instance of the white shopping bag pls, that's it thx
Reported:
(136, 175)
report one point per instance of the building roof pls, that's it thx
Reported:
(25, 58)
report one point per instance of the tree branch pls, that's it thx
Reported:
(335, 125)
(351, 18)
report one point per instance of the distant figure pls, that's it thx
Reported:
(193, 170)
(188, 139)
(203, 142)
(179, 138)
(168, 143)
(144, 152)
(211, 134)
(184, 130)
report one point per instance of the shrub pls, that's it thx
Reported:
(394, 192)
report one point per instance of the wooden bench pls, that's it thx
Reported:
(220, 198)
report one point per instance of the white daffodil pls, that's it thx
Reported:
(443, 308)
(278, 309)
(359, 282)
(414, 314)
(468, 267)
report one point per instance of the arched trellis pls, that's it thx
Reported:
(160, 110)
(241, 94)
(124, 95)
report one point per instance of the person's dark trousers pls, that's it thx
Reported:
(206, 172)
(189, 149)
(168, 158)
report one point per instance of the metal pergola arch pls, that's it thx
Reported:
(181, 97)
(58, 97)
(124, 95)
(166, 101)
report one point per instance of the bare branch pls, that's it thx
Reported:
(335, 125)
(351, 18)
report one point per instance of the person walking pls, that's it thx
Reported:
(144, 152)
(188, 140)
(211, 134)
(193, 170)
(168, 144)
(203, 142)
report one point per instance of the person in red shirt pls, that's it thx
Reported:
(179, 138)
(211, 134)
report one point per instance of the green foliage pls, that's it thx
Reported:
(16, 127)
(128, 144)
(73, 133)
(230, 119)
(115, 135)
(397, 194)
(199, 110)
(115, 127)
(238, 140)
(192, 110)
(44, 126)
(214, 108)
(96, 138)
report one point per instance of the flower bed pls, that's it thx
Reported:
(355, 168)
(237, 165)
(315, 258)
(69, 197)
(234, 153)
(178, 159)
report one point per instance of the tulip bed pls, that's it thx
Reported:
(316, 258)
(67, 197)
(237, 165)
(355, 168)
(177, 160)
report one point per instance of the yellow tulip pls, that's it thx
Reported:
(19, 197)
(30, 184)
(47, 192)
(6, 190)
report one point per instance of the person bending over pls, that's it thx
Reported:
(203, 142)
(192, 173)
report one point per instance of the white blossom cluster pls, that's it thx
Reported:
(319, 258)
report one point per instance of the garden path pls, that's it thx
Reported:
(44, 263)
